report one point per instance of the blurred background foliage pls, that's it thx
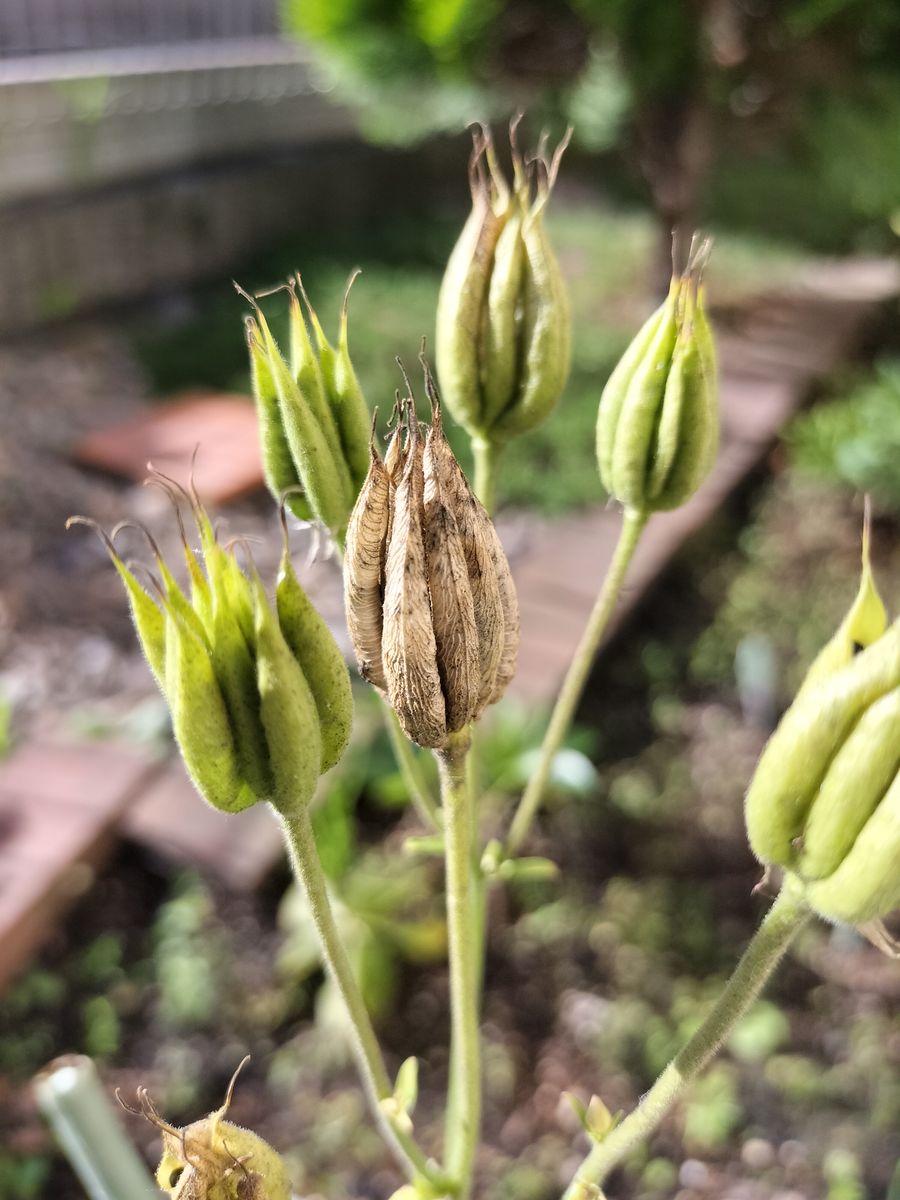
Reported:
(780, 115)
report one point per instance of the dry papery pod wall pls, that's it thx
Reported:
(431, 605)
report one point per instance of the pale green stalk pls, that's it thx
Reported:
(485, 453)
(782, 922)
(70, 1096)
(308, 869)
(573, 685)
(464, 1108)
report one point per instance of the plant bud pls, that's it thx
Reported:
(658, 423)
(503, 342)
(430, 600)
(249, 723)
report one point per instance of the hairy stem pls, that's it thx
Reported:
(464, 1113)
(308, 869)
(782, 922)
(573, 685)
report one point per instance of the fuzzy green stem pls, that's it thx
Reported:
(573, 685)
(416, 786)
(464, 1113)
(308, 869)
(485, 453)
(782, 922)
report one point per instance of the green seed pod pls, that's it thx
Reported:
(247, 722)
(312, 644)
(866, 885)
(658, 423)
(278, 465)
(213, 1159)
(344, 394)
(503, 342)
(288, 713)
(797, 756)
(309, 376)
(322, 472)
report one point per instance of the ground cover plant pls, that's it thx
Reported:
(261, 701)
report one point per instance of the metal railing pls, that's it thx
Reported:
(35, 27)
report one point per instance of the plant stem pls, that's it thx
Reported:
(70, 1096)
(485, 452)
(308, 869)
(464, 1114)
(419, 792)
(573, 685)
(782, 922)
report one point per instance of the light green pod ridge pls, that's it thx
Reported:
(798, 754)
(308, 375)
(313, 645)
(638, 416)
(546, 334)
(688, 434)
(200, 719)
(324, 476)
(857, 779)
(278, 465)
(234, 664)
(149, 622)
(502, 333)
(345, 396)
(463, 295)
(613, 395)
(865, 622)
(288, 713)
(866, 886)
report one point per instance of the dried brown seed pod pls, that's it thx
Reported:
(364, 570)
(409, 649)
(452, 609)
(490, 580)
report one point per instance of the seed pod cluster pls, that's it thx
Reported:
(658, 421)
(313, 418)
(260, 699)
(430, 602)
(504, 330)
(824, 802)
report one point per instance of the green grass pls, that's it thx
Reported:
(605, 256)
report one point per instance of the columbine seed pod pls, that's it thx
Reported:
(503, 340)
(249, 723)
(825, 800)
(829, 727)
(429, 595)
(658, 424)
(213, 1159)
